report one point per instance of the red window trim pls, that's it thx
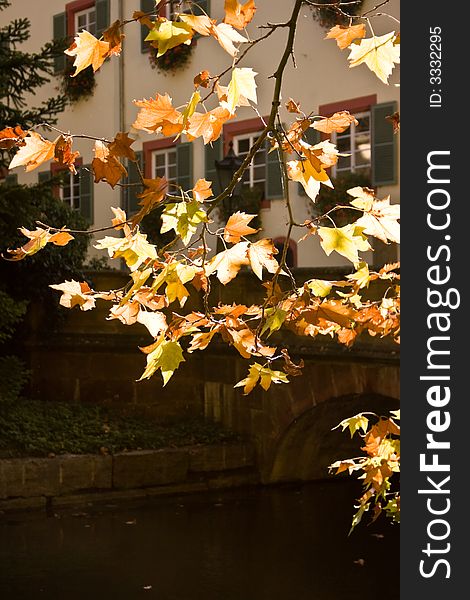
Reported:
(149, 147)
(56, 169)
(292, 246)
(231, 130)
(73, 7)
(353, 105)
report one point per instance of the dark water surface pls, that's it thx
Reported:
(258, 544)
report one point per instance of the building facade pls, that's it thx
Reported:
(321, 81)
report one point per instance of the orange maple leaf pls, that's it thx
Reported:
(344, 36)
(12, 136)
(338, 122)
(105, 166)
(237, 227)
(63, 153)
(239, 15)
(208, 125)
(154, 192)
(158, 115)
(87, 50)
(202, 190)
(121, 146)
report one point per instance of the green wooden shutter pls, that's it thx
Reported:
(146, 6)
(273, 186)
(59, 33)
(86, 192)
(184, 165)
(102, 16)
(44, 176)
(201, 7)
(132, 202)
(211, 154)
(312, 137)
(384, 161)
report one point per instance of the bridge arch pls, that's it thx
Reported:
(309, 445)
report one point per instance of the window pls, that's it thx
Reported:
(69, 189)
(164, 164)
(86, 19)
(255, 175)
(198, 7)
(355, 141)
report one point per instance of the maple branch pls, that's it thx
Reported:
(82, 231)
(73, 135)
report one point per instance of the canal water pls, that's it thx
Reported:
(274, 543)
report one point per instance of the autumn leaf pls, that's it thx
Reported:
(158, 115)
(344, 36)
(261, 254)
(395, 121)
(293, 107)
(208, 125)
(347, 241)
(121, 146)
(247, 343)
(200, 23)
(202, 79)
(105, 166)
(35, 151)
(354, 424)
(380, 218)
(202, 190)
(126, 313)
(134, 249)
(114, 37)
(379, 53)
(154, 321)
(338, 122)
(63, 153)
(310, 172)
(169, 34)
(289, 366)
(12, 136)
(227, 264)
(263, 375)
(227, 36)
(37, 241)
(274, 320)
(143, 18)
(183, 218)
(190, 108)
(166, 356)
(242, 85)
(87, 50)
(154, 193)
(237, 227)
(75, 293)
(200, 341)
(239, 15)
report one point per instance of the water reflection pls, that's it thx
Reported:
(267, 544)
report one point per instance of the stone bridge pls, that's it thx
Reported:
(94, 360)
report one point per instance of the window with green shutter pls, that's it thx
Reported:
(86, 193)
(146, 6)
(384, 161)
(102, 16)
(184, 165)
(59, 33)
(44, 176)
(213, 152)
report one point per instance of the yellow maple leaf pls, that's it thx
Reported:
(200, 23)
(166, 356)
(263, 375)
(344, 36)
(347, 241)
(75, 293)
(379, 53)
(380, 218)
(242, 85)
(35, 151)
(134, 249)
(87, 50)
(169, 34)
(239, 15)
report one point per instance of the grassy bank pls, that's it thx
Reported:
(30, 428)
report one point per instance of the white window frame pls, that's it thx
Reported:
(166, 153)
(353, 168)
(177, 7)
(249, 177)
(74, 186)
(86, 12)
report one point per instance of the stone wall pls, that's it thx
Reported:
(49, 482)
